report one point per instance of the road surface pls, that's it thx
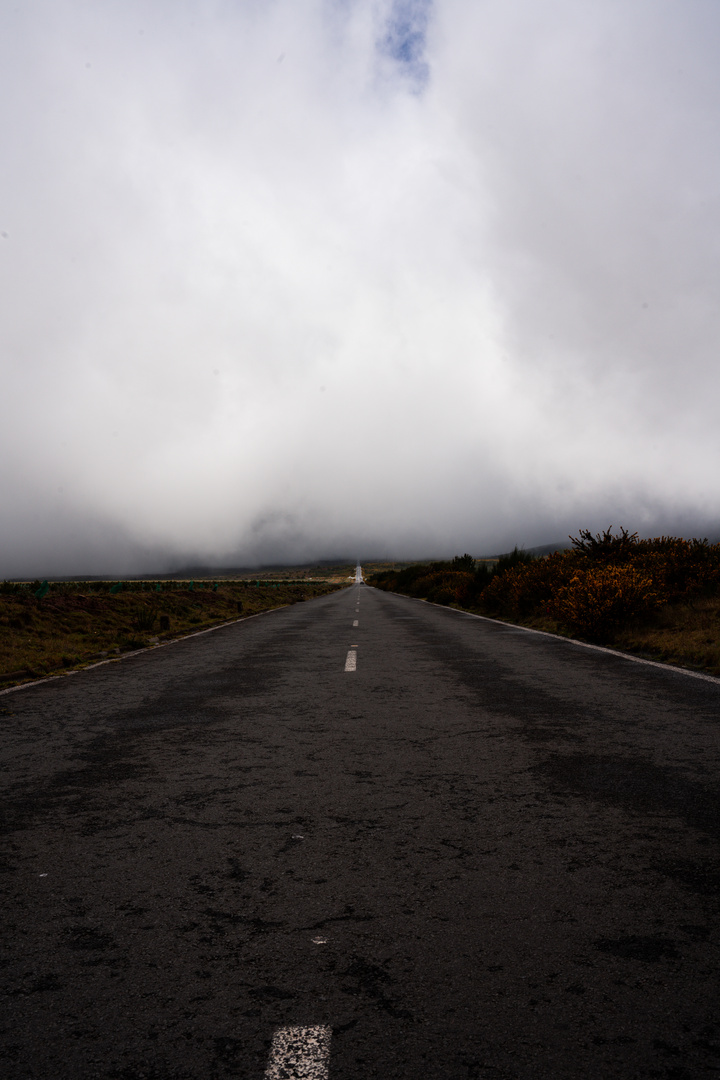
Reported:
(369, 835)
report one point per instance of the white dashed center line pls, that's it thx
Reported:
(351, 660)
(355, 623)
(299, 1053)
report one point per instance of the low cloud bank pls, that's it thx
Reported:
(401, 279)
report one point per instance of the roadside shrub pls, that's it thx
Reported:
(442, 586)
(680, 568)
(593, 589)
(450, 587)
(463, 563)
(441, 595)
(597, 601)
(526, 587)
(517, 557)
(606, 547)
(143, 619)
(483, 577)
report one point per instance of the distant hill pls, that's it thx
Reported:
(547, 549)
(541, 549)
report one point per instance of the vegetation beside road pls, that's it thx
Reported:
(657, 598)
(50, 628)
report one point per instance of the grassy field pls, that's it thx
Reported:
(78, 623)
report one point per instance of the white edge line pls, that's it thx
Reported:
(571, 641)
(138, 652)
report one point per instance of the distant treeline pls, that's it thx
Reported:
(590, 590)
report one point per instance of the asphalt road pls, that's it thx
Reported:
(481, 853)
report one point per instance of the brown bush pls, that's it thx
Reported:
(599, 600)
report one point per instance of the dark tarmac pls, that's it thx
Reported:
(484, 854)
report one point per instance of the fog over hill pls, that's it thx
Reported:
(400, 278)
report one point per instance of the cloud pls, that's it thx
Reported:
(287, 280)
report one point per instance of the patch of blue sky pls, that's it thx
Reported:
(404, 39)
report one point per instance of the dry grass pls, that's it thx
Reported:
(77, 624)
(685, 635)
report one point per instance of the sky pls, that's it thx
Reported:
(284, 280)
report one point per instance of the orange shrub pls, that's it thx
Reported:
(680, 568)
(446, 587)
(597, 600)
(527, 587)
(591, 589)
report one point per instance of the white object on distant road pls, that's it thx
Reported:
(358, 574)
(302, 1053)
